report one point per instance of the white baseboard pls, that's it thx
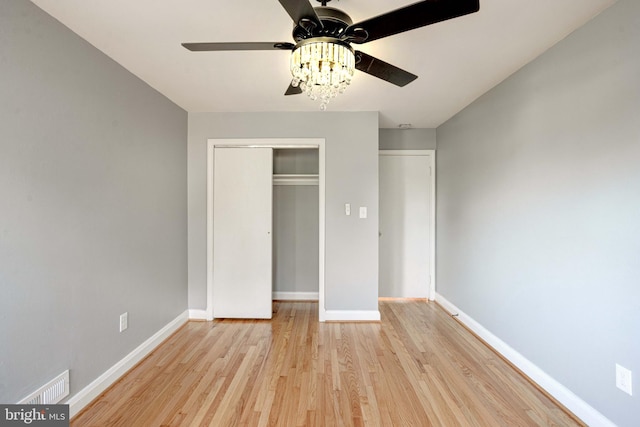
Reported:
(198, 314)
(295, 296)
(81, 399)
(350, 316)
(566, 397)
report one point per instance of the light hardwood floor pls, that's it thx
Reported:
(417, 367)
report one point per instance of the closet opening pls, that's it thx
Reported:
(290, 263)
(295, 224)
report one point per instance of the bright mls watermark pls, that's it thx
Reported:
(34, 415)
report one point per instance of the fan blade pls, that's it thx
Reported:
(207, 47)
(408, 18)
(293, 90)
(382, 70)
(301, 11)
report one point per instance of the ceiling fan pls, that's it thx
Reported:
(323, 61)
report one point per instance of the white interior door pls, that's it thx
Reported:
(405, 225)
(242, 241)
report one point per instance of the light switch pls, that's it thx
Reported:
(347, 209)
(363, 211)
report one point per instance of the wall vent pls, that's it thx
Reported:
(52, 392)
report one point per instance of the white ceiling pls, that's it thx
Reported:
(456, 61)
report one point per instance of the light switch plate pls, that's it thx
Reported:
(363, 211)
(124, 321)
(623, 379)
(347, 209)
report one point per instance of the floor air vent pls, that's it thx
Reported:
(52, 392)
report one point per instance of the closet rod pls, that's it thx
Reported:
(295, 179)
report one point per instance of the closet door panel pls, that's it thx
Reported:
(242, 240)
(405, 210)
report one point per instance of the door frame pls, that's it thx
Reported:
(279, 143)
(431, 154)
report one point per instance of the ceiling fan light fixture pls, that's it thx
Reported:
(323, 68)
(323, 61)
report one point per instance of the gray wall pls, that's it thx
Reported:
(539, 210)
(295, 238)
(92, 206)
(407, 139)
(351, 273)
(295, 161)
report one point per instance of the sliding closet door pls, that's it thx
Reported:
(242, 245)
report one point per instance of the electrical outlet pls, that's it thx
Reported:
(124, 321)
(623, 379)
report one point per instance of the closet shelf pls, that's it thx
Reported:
(295, 179)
